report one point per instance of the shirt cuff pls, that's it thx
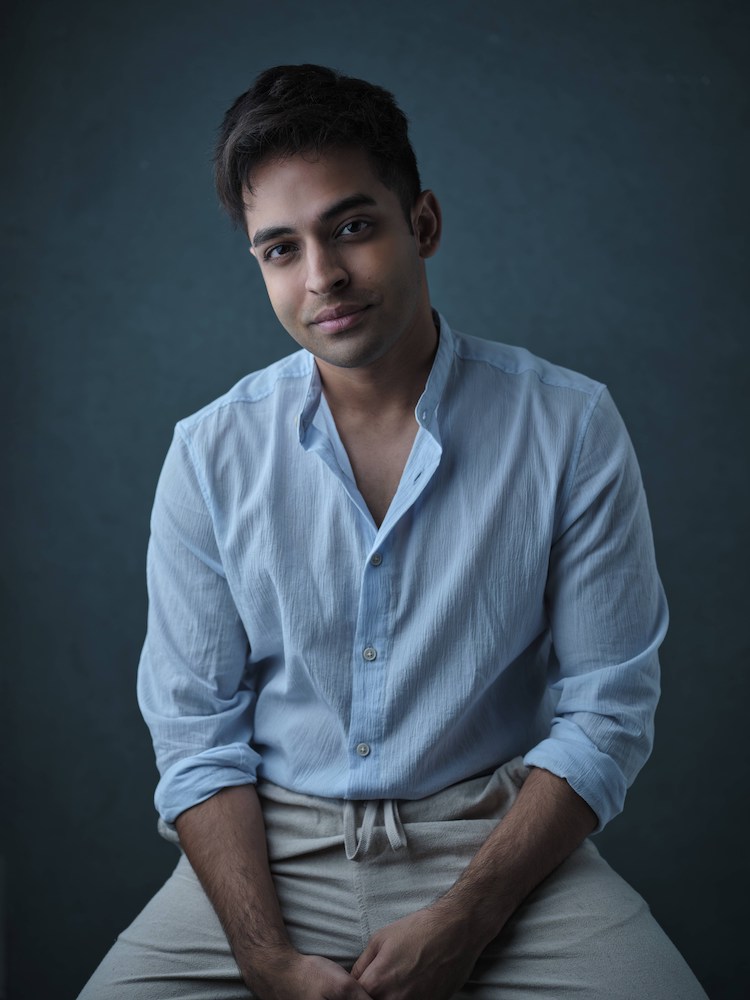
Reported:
(195, 779)
(594, 775)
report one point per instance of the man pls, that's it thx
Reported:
(404, 617)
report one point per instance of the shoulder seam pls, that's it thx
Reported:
(587, 386)
(223, 402)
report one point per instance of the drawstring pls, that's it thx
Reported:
(357, 848)
(393, 825)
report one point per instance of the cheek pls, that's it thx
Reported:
(281, 295)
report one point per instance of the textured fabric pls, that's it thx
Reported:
(508, 604)
(584, 932)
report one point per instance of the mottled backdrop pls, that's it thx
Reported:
(592, 160)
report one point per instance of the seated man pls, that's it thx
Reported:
(404, 617)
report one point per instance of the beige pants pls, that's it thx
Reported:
(344, 870)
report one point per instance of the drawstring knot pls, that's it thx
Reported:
(357, 847)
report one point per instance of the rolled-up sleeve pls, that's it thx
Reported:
(194, 689)
(608, 616)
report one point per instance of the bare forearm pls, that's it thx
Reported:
(547, 822)
(224, 840)
(430, 953)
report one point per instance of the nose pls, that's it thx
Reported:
(325, 270)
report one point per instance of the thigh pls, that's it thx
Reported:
(586, 933)
(175, 947)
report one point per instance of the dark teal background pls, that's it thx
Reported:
(592, 161)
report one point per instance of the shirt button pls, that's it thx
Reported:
(370, 653)
(363, 750)
(376, 559)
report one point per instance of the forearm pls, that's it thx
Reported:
(431, 952)
(547, 822)
(224, 840)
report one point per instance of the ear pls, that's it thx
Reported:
(427, 222)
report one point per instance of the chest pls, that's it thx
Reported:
(378, 461)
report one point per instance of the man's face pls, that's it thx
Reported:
(344, 273)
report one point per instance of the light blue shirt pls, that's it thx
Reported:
(508, 604)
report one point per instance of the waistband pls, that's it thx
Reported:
(297, 823)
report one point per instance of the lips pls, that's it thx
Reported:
(339, 318)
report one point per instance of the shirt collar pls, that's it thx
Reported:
(435, 388)
(311, 401)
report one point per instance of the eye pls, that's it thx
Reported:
(278, 251)
(354, 227)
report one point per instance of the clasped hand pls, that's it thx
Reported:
(427, 955)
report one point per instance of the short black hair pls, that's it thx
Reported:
(308, 108)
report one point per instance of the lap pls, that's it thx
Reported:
(584, 930)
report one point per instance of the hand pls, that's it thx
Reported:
(428, 955)
(291, 976)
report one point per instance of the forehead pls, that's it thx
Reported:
(294, 189)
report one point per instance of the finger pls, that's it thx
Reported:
(374, 977)
(351, 991)
(344, 990)
(364, 960)
(361, 994)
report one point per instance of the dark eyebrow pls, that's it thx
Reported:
(345, 205)
(272, 233)
(353, 201)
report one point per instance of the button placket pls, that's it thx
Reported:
(369, 663)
